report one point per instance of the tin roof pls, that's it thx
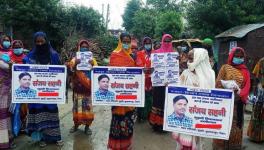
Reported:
(240, 31)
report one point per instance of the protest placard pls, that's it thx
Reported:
(85, 57)
(38, 84)
(118, 86)
(166, 68)
(199, 112)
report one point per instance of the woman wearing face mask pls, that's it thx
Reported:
(5, 45)
(6, 140)
(17, 54)
(198, 74)
(156, 114)
(143, 60)
(17, 57)
(235, 70)
(5, 49)
(43, 122)
(123, 118)
(82, 92)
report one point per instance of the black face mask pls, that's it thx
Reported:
(43, 53)
(44, 48)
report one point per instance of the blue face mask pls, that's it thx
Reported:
(6, 44)
(148, 47)
(238, 61)
(126, 46)
(84, 49)
(18, 51)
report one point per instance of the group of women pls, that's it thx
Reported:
(42, 120)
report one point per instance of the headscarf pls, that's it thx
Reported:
(145, 39)
(119, 46)
(203, 69)
(244, 91)
(17, 41)
(80, 43)
(42, 56)
(259, 71)
(165, 47)
(207, 44)
(1, 42)
(208, 41)
(14, 57)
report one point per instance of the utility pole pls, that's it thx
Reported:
(103, 13)
(107, 16)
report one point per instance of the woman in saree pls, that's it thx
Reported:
(6, 140)
(143, 60)
(198, 74)
(17, 57)
(5, 44)
(123, 118)
(256, 124)
(81, 82)
(157, 110)
(43, 124)
(235, 70)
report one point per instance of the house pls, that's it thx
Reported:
(250, 37)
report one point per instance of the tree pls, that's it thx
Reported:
(144, 23)
(29, 16)
(207, 18)
(169, 22)
(85, 20)
(132, 7)
(163, 5)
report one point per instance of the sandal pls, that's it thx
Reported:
(60, 143)
(42, 144)
(87, 130)
(73, 129)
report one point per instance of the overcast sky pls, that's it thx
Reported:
(117, 8)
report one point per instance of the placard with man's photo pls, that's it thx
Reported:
(199, 112)
(118, 86)
(166, 68)
(85, 58)
(38, 83)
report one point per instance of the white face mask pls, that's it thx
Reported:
(191, 66)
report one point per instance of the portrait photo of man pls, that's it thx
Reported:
(155, 58)
(103, 94)
(170, 74)
(24, 89)
(156, 75)
(178, 117)
(169, 57)
(83, 58)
